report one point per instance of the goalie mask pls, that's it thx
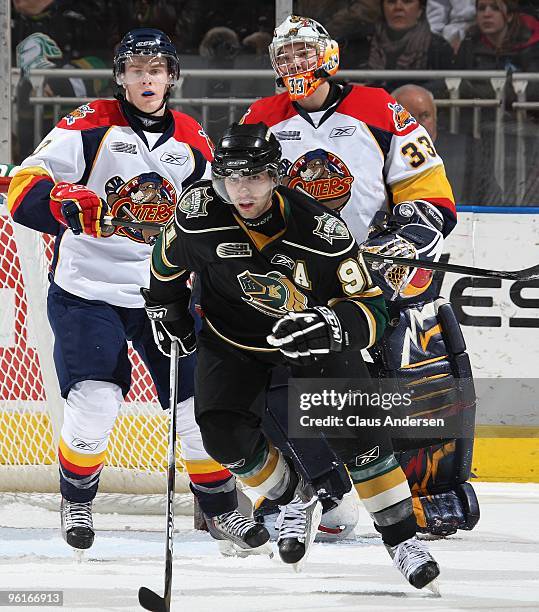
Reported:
(303, 55)
(247, 156)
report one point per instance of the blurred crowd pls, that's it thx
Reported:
(372, 34)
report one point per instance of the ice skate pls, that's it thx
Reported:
(239, 536)
(297, 524)
(415, 563)
(77, 525)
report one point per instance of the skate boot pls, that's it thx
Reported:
(77, 525)
(415, 563)
(242, 531)
(298, 524)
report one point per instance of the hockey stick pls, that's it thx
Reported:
(147, 598)
(134, 224)
(526, 274)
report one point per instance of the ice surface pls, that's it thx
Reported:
(494, 567)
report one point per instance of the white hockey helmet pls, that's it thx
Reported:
(303, 55)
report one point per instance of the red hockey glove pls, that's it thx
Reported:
(78, 207)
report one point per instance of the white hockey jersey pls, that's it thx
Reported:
(139, 177)
(363, 154)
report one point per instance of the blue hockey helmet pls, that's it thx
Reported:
(146, 42)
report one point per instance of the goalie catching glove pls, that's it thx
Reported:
(303, 337)
(414, 231)
(79, 208)
(170, 322)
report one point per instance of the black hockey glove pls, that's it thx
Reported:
(170, 322)
(304, 337)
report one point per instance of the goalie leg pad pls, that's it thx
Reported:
(425, 347)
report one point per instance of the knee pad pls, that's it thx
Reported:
(90, 411)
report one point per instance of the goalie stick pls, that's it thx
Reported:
(147, 598)
(526, 274)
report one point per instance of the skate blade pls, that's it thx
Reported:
(434, 587)
(78, 554)
(315, 521)
(230, 549)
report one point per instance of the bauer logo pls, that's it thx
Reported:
(367, 457)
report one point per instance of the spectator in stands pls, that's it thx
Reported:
(451, 19)
(220, 44)
(502, 39)
(351, 23)
(403, 41)
(78, 28)
(468, 165)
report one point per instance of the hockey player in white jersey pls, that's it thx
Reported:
(130, 157)
(359, 152)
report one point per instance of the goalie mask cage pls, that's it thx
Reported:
(31, 408)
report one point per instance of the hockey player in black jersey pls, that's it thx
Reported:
(282, 281)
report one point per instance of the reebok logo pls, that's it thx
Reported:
(83, 445)
(176, 159)
(236, 464)
(346, 130)
(367, 457)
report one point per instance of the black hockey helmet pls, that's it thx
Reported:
(245, 150)
(147, 42)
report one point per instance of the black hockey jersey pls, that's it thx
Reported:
(249, 280)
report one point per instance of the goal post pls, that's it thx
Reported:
(31, 407)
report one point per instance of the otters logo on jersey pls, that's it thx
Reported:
(146, 197)
(322, 175)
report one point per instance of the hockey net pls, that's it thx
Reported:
(31, 408)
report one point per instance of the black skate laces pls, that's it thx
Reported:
(77, 514)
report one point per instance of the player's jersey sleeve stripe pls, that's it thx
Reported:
(28, 199)
(92, 142)
(200, 165)
(382, 139)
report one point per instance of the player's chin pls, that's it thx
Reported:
(246, 209)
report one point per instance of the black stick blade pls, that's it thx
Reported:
(152, 601)
(529, 274)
